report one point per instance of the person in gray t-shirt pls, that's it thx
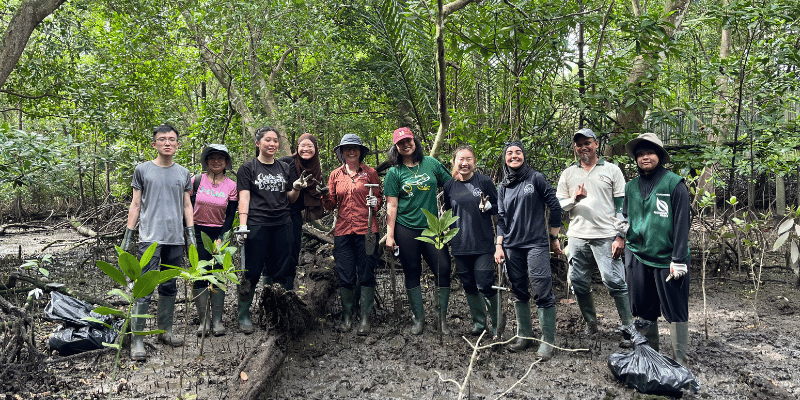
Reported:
(160, 204)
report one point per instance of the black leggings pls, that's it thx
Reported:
(202, 253)
(410, 250)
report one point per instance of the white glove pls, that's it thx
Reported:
(372, 201)
(301, 182)
(485, 205)
(620, 225)
(240, 235)
(677, 271)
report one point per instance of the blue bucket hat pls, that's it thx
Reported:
(350, 139)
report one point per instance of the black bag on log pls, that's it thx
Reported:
(648, 371)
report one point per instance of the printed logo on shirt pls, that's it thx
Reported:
(271, 183)
(528, 189)
(662, 208)
(604, 178)
(211, 192)
(477, 192)
(419, 181)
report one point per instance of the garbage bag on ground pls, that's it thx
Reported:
(76, 335)
(648, 371)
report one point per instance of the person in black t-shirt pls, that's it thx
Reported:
(264, 197)
(473, 199)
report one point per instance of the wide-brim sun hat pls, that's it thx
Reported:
(650, 137)
(216, 148)
(350, 139)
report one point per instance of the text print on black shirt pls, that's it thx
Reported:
(271, 183)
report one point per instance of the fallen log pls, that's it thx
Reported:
(50, 287)
(317, 234)
(288, 315)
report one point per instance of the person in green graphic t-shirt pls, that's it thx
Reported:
(657, 244)
(410, 186)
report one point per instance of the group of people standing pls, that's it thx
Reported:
(647, 220)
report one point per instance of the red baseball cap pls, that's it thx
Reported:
(400, 134)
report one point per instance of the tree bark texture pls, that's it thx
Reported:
(27, 17)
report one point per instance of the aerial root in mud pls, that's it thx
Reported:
(16, 337)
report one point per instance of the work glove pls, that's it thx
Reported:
(240, 234)
(191, 239)
(621, 225)
(372, 201)
(127, 240)
(301, 182)
(677, 271)
(323, 189)
(485, 205)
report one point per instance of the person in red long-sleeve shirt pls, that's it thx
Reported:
(348, 193)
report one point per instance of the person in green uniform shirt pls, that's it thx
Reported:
(411, 186)
(657, 244)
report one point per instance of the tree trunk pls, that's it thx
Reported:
(780, 196)
(27, 17)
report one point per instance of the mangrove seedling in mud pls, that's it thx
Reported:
(134, 284)
(439, 233)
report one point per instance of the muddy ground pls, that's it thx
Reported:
(752, 350)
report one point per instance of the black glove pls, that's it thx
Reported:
(323, 190)
(127, 240)
(191, 239)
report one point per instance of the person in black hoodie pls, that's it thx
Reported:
(523, 240)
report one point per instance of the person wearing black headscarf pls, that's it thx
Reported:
(523, 241)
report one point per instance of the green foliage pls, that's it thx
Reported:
(39, 265)
(440, 230)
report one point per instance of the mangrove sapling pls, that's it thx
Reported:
(129, 276)
(439, 233)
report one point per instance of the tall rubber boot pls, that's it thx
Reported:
(442, 302)
(217, 307)
(623, 304)
(586, 305)
(498, 326)
(245, 299)
(650, 332)
(346, 296)
(165, 316)
(523, 311)
(266, 280)
(138, 352)
(417, 310)
(547, 321)
(679, 334)
(477, 308)
(200, 296)
(367, 302)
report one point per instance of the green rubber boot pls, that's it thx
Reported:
(650, 332)
(138, 352)
(586, 305)
(346, 297)
(200, 296)
(367, 302)
(493, 306)
(679, 334)
(417, 309)
(245, 299)
(547, 321)
(217, 307)
(623, 304)
(165, 316)
(523, 311)
(441, 310)
(477, 308)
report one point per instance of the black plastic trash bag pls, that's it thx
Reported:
(76, 335)
(648, 371)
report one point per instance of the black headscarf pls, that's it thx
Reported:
(519, 174)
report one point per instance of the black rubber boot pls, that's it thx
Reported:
(523, 311)
(245, 299)
(200, 296)
(138, 352)
(165, 316)
(586, 305)
(217, 307)
(346, 296)
(367, 302)
(477, 308)
(547, 321)
(417, 310)
(442, 302)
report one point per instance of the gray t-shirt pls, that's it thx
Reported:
(161, 215)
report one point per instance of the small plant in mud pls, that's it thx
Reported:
(39, 265)
(439, 233)
(128, 274)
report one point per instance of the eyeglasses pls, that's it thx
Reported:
(166, 139)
